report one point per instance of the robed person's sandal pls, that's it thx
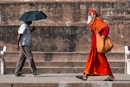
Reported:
(83, 77)
(110, 78)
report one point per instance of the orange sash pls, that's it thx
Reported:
(97, 24)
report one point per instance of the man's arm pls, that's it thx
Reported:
(21, 31)
(18, 39)
(105, 32)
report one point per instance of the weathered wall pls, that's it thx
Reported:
(65, 13)
(59, 0)
(64, 29)
(51, 38)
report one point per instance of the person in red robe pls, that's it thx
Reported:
(97, 63)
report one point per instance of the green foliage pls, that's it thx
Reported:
(31, 3)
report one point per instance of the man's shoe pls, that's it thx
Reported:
(36, 73)
(19, 75)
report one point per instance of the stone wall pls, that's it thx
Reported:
(65, 13)
(50, 38)
(65, 28)
(60, 0)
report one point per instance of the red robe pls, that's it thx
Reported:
(97, 63)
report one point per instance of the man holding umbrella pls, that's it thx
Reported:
(24, 41)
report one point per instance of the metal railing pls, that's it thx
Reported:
(2, 59)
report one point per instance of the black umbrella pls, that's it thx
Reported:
(33, 16)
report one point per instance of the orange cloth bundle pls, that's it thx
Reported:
(103, 44)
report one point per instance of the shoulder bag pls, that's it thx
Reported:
(103, 44)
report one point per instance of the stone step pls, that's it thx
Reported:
(62, 56)
(64, 64)
(63, 80)
(26, 70)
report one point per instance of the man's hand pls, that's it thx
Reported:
(17, 48)
(33, 28)
(103, 37)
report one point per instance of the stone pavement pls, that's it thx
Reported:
(62, 80)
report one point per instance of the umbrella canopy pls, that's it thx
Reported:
(32, 16)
